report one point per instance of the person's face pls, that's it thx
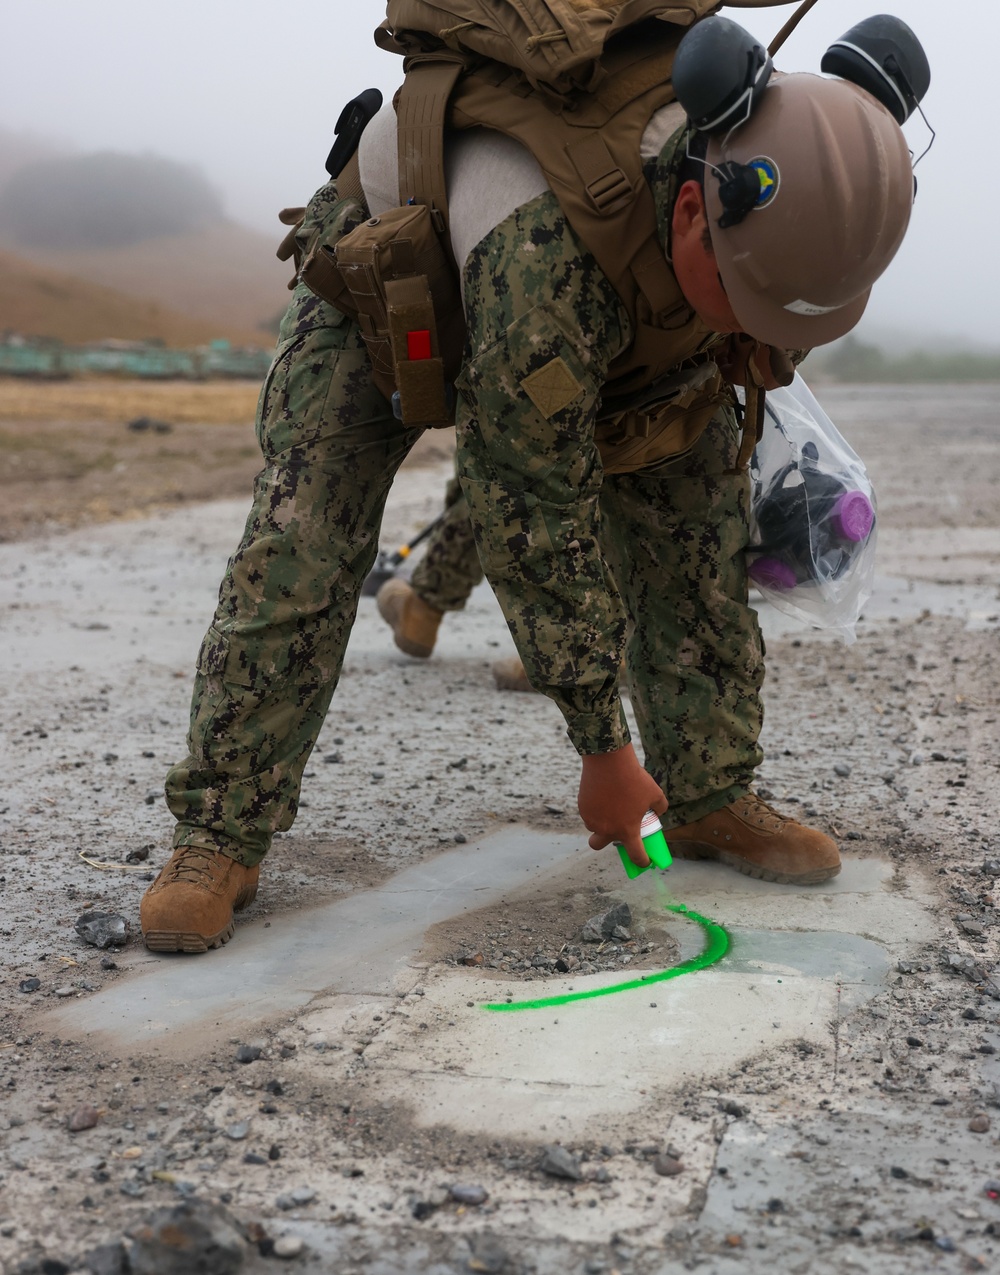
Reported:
(695, 266)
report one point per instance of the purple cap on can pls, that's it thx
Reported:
(853, 516)
(772, 573)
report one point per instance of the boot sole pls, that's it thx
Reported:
(173, 941)
(180, 941)
(698, 850)
(415, 649)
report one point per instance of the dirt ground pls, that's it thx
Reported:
(869, 1145)
(68, 456)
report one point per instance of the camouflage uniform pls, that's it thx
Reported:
(581, 562)
(450, 568)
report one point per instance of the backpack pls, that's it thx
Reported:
(576, 83)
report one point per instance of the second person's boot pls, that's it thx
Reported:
(414, 624)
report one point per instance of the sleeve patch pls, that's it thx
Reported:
(552, 387)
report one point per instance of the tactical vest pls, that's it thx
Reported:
(578, 97)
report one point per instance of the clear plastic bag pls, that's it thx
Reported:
(813, 515)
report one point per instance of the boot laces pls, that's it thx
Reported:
(195, 864)
(757, 810)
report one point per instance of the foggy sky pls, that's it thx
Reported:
(250, 91)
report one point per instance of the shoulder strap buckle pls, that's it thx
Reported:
(610, 192)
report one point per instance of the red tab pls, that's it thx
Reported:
(418, 345)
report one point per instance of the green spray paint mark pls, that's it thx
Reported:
(716, 946)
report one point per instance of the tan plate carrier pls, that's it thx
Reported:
(577, 89)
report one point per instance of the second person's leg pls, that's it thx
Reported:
(442, 580)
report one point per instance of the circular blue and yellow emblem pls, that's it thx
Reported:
(770, 180)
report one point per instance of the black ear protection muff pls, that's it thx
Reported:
(721, 71)
(884, 57)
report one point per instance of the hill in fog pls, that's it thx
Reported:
(35, 301)
(144, 226)
(104, 200)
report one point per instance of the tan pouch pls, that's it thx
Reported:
(400, 287)
(661, 422)
(320, 274)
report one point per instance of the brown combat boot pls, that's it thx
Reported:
(754, 839)
(190, 905)
(414, 624)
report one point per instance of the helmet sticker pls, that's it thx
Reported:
(770, 180)
(807, 308)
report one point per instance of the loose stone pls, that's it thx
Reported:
(557, 1162)
(84, 1117)
(468, 1195)
(288, 1246)
(102, 928)
(192, 1237)
(108, 1259)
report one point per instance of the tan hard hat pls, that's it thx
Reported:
(836, 195)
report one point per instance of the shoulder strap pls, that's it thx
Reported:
(591, 158)
(349, 180)
(421, 109)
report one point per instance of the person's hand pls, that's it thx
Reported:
(615, 793)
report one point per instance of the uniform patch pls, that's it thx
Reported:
(770, 180)
(552, 387)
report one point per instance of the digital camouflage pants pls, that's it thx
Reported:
(450, 568)
(271, 659)
(695, 666)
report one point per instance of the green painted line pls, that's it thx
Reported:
(716, 946)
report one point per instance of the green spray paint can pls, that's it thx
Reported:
(654, 843)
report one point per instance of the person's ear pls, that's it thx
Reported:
(689, 210)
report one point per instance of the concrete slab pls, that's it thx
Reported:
(569, 1072)
(861, 891)
(354, 945)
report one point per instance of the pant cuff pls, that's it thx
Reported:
(685, 812)
(186, 835)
